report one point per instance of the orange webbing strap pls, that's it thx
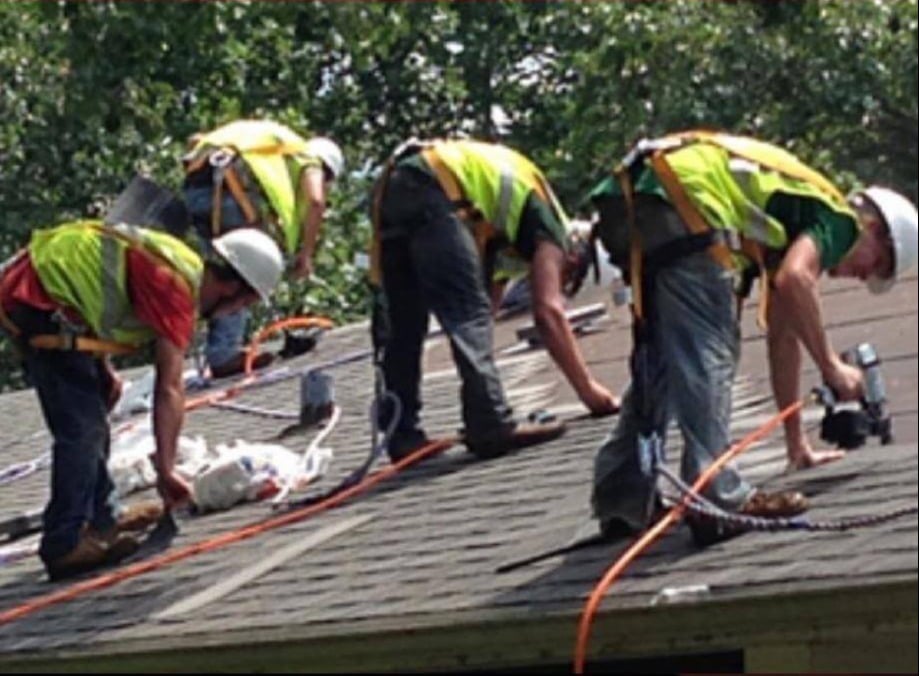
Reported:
(105, 580)
(376, 221)
(658, 529)
(697, 225)
(66, 341)
(445, 177)
(241, 196)
(635, 259)
(687, 210)
(482, 230)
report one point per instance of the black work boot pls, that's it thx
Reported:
(404, 444)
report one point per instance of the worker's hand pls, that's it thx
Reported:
(847, 382)
(303, 266)
(173, 489)
(802, 456)
(599, 400)
(115, 388)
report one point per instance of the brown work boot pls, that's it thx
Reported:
(139, 516)
(708, 530)
(91, 551)
(775, 505)
(237, 363)
(519, 436)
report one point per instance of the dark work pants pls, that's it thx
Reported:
(72, 389)
(430, 264)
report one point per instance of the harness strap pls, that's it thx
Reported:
(376, 220)
(635, 257)
(719, 249)
(69, 341)
(482, 230)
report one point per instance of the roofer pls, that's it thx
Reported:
(82, 291)
(261, 174)
(709, 208)
(442, 210)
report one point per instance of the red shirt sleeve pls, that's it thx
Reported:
(20, 285)
(161, 299)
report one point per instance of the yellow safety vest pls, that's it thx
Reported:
(82, 265)
(275, 155)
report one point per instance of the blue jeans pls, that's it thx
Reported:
(430, 264)
(72, 389)
(693, 349)
(225, 337)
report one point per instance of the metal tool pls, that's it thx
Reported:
(849, 427)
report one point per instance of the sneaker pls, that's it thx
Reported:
(520, 435)
(91, 551)
(403, 444)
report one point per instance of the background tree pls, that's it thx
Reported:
(92, 92)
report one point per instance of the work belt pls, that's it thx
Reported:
(69, 337)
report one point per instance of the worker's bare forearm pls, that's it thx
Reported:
(556, 334)
(168, 404)
(785, 370)
(168, 416)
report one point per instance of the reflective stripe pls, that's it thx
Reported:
(109, 285)
(757, 225)
(505, 195)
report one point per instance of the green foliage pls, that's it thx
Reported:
(92, 92)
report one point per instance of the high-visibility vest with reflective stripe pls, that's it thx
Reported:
(82, 265)
(730, 180)
(498, 181)
(267, 147)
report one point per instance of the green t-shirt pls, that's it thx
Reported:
(833, 233)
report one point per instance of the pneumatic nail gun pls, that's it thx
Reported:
(849, 427)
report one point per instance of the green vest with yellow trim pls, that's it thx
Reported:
(730, 180)
(82, 265)
(498, 181)
(275, 155)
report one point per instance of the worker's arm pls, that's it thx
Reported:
(555, 331)
(797, 303)
(785, 373)
(168, 414)
(113, 383)
(312, 190)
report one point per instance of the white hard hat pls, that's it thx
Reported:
(328, 151)
(901, 219)
(255, 256)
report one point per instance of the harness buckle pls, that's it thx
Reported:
(68, 331)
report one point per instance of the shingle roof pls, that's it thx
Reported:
(412, 585)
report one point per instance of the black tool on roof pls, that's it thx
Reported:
(849, 427)
(146, 203)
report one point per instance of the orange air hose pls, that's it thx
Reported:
(218, 542)
(658, 529)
